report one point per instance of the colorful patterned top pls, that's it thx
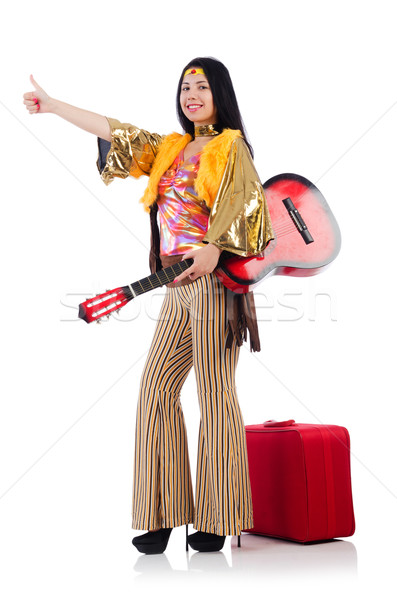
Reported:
(183, 217)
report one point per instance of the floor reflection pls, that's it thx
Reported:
(258, 557)
(273, 557)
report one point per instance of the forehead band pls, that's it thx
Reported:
(193, 72)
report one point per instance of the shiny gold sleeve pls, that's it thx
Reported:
(240, 221)
(130, 152)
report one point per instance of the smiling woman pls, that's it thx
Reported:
(204, 198)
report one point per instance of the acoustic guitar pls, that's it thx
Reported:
(306, 240)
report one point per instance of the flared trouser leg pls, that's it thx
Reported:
(223, 490)
(162, 488)
(191, 330)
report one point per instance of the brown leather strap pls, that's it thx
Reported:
(154, 255)
(251, 321)
(241, 316)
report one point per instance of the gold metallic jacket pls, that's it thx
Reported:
(227, 181)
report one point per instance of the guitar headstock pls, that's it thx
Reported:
(102, 305)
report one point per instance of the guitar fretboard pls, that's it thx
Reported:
(156, 279)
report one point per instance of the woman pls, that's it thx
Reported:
(204, 191)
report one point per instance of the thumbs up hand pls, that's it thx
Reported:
(37, 101)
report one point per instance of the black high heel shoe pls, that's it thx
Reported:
(154, 542)
(206, 542)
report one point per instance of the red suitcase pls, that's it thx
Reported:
(300, 480)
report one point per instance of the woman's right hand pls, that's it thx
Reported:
(37, 101)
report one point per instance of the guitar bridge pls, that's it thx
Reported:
(298, 221)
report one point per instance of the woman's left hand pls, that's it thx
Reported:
(205, 260)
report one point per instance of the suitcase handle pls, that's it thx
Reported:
(273, 423)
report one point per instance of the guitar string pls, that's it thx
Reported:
(286, 232)
(99, 307)
(283, 224)
(283, 229)
(162, 278)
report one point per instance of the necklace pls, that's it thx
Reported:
(203, 130)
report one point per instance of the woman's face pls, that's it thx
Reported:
(196, 99)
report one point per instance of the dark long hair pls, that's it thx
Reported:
(223, 94)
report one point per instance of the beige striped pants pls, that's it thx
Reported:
(191, 331)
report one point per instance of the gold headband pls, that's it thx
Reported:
(194, 72)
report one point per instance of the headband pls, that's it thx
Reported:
(193, 72)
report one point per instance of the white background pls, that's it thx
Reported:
(317, 90)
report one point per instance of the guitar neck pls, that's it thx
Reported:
(156, 279)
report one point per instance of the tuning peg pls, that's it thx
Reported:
(99, 321)
(107, 316)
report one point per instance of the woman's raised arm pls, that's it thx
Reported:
(40, 102)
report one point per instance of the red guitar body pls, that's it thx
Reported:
(306, 240)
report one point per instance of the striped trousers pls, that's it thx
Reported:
(191, 331)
